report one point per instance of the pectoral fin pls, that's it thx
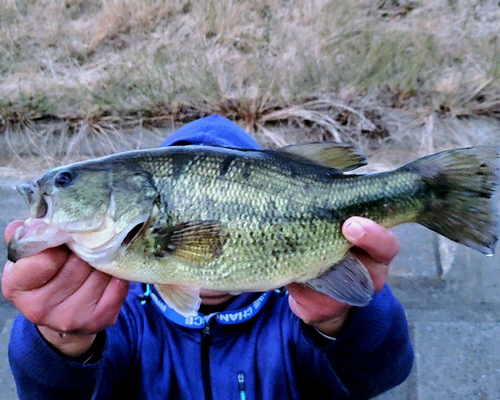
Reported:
(341, 156)
(194, 242)
(185, 301)
(348, 281)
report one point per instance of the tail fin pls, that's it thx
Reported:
(459, 186)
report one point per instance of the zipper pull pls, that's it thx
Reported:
(207, 331)
(241, 386)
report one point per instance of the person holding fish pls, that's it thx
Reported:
(214, 228)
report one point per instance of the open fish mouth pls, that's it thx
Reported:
(42, 208)
(34, 236)
(38, 232)
(35, 200)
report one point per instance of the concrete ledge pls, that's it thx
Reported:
(458, 360)
(418, 252)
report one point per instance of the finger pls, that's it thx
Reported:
(68, 280)
(116, 292)
(380, 243)
(378, 270)
(90, 292)
(113, 298)
(74, 313)
(312, 306)
(98, 302)
(35, 271)
(11, 228)
(84, 300)
(38, 301)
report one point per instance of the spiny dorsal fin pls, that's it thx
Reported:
(341, 156)
(348, 281)
(193, 242)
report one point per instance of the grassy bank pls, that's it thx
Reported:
(96, 76)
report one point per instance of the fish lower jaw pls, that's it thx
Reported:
(34, 236)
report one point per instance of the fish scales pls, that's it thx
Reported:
(252, 214)
(276, 231)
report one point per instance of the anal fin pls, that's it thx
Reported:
(348, 281)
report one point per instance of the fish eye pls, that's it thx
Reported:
(63, 179)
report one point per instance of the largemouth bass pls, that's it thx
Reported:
(199, 217)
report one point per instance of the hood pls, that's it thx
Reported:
(214, 130)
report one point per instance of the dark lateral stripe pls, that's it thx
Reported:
(178, 163)
(246, 172)
(328, 214)
(226, 164)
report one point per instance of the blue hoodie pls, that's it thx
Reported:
(256, 349)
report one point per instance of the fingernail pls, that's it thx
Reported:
(353, 230)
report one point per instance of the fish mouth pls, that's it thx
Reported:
(34, 236)
(34, 199)
(42, 208)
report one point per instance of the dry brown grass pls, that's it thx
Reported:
(90, 77)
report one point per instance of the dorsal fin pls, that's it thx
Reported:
(341, 156)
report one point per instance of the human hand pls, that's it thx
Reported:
(68, 300)
(375, 246)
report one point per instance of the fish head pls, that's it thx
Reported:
(91, 207)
